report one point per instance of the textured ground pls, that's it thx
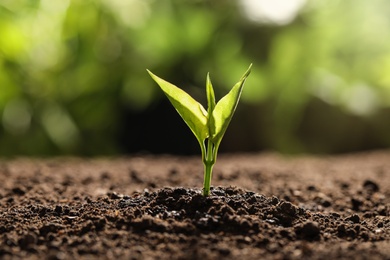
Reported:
(263, 206)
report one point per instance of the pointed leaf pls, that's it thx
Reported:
(224, 110)
(188, 108)
(210, 97)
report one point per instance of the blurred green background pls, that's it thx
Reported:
(73, 74)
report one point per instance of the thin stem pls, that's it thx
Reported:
(208, 162)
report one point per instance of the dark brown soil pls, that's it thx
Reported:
(262, 206)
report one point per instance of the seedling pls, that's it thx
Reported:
(208, 126)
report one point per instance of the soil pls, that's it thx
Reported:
(263, 206)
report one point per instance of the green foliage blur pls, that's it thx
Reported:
(72, 71)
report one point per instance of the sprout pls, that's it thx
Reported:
(208, 126)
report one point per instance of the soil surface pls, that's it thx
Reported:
(263, 206)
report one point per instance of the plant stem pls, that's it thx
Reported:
(208, 162)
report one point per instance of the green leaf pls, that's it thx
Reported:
(188, 108)
(224, 110)
(210, 98)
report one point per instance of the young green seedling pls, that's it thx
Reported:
(208, 126)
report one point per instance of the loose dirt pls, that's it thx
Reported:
(263, 206)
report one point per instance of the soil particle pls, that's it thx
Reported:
(371, 186)
(310, 230)
(152, 208)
